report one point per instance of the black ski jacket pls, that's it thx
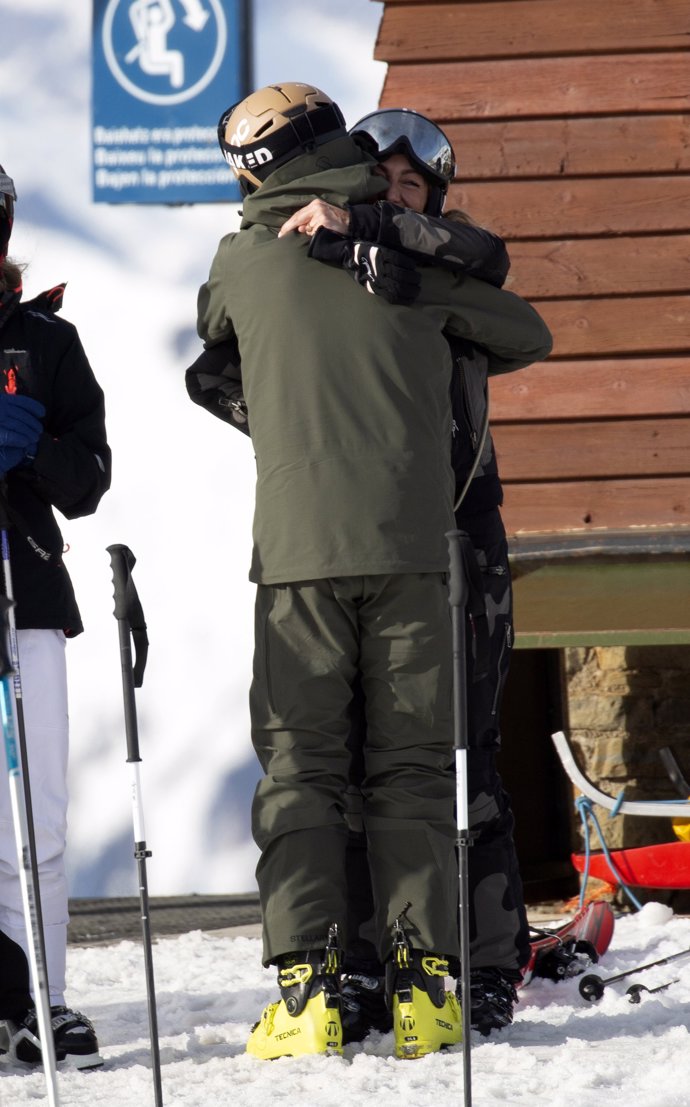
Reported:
(465, 248)
(71, 470)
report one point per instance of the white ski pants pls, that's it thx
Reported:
(44, 697)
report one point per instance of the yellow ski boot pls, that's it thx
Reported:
(426, 1018)
(306, 1019)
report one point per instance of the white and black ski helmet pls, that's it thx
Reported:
(7, 199)
(274, 125)
(403, 131)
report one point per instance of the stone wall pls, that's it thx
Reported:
(624, 704)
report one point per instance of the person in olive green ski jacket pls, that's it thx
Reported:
(351, 428)
(348, 394)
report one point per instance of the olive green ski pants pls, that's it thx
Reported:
(312, 639)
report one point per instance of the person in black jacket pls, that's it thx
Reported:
(53, 454)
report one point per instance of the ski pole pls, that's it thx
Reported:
(14, 732)
(132, 627)
(634, 992)
(458, 596)
(592, 986)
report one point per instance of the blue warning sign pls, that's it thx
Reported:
(163, 72)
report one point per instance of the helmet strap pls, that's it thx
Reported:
(434, 204)
(305, 131)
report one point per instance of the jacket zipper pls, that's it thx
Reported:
(495, 570)
(466, 405)
(506, 644)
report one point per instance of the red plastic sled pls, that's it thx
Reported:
(664, 865)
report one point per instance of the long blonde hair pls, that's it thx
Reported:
(457, 215)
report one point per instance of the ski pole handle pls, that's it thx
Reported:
(122, 561)
(128, 609)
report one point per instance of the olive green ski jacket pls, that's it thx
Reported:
(348, 394)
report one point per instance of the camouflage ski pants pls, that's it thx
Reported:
(499, 932)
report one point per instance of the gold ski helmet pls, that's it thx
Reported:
(273, 126)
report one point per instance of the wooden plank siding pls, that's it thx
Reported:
(645, 324)
(606, 448)
(617, 387)
(602, 504)
(440, 32)
(584, 206)
(571, 126)
(571, 147)
(561, 268)
(542, 87)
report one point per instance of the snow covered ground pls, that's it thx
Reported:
(560, 1051)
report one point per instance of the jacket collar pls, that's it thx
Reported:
(337, 172)
(48, 302)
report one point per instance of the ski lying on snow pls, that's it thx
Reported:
(570, 949)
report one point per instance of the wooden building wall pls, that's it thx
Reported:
(571, 124)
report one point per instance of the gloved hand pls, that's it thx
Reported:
(378, 269)
(20, 428)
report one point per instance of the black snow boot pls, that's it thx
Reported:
(493, 997)
(364, 1007)
(74, 1036)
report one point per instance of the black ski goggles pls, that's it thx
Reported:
(7, 196)
(392, 130)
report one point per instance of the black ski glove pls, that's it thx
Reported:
(377, 269)
(445, 241)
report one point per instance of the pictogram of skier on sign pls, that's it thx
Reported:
(152, 21)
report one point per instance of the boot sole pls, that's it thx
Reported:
(413, 1053)
(68, 1061)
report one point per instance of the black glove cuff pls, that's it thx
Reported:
(365, 222)
(331, 247)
